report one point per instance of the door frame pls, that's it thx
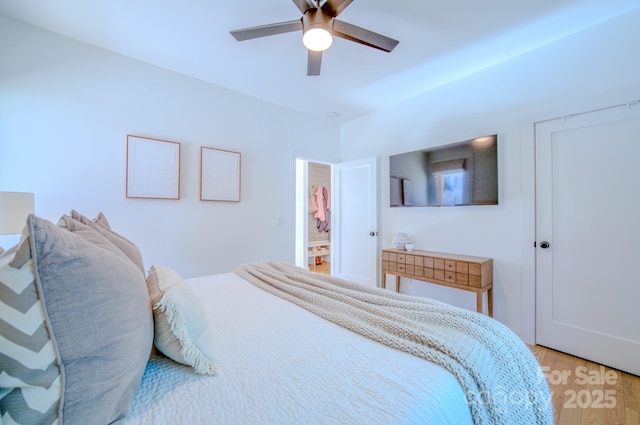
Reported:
(294, 210)
(528, 174)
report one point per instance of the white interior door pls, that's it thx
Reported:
(355, 221)
(588, 213)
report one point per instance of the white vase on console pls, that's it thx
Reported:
(400, 240)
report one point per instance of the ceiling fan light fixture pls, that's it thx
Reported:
(316, 30)
(317, 39)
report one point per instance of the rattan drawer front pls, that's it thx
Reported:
(462, 278)
(475, 281)
(450, 265)
(475, 269)
(449, 276)
(429, 273)
(462, 267)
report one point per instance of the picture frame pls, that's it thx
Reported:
(153, 168)
(395, 191)
(407, 192)
(220, 175)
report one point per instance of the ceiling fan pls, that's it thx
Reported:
(319, 25)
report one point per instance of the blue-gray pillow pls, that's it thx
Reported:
(97, 305)
(125, 245)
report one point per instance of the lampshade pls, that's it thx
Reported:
(14, 209)
(316, 30)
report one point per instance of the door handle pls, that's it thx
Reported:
(373, 233)
(544, 244)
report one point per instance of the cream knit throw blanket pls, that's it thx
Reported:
(499, 375)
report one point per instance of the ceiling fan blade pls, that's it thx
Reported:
(304, 5)
(335, 7)
(363, 36)
(266, 30)
(313, 62)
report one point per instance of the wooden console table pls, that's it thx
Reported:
(473, 274)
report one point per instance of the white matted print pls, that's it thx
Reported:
(153, 168)
(220, 175)
(395, 191)
(407, 192)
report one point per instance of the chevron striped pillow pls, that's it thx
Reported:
(30, 386)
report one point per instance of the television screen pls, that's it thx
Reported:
(463, 173)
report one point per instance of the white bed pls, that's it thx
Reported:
(268, 344)
(280, 364)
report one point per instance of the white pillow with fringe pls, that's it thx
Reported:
(181, 328)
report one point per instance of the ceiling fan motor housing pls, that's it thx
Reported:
(317, 18)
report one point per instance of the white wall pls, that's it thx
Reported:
(583, 71)
(65, 111)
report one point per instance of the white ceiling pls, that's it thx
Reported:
(440, 41)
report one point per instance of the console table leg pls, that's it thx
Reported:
(490, 301)
(479, 301)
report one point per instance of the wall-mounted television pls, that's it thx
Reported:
(463, 173)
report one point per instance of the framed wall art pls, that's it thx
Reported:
(220, 175)
(395, 191)
(407, 192)
(153, 168)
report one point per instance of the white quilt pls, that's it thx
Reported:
(279, 364)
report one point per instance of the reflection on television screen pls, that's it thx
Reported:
(463, 173)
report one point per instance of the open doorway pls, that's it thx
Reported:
(353, 233)
(313, 216)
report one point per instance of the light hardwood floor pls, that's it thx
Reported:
(584, 392)
(324, 268)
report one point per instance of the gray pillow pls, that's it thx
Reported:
(124, 244)
(101, 219)
(97, 306)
